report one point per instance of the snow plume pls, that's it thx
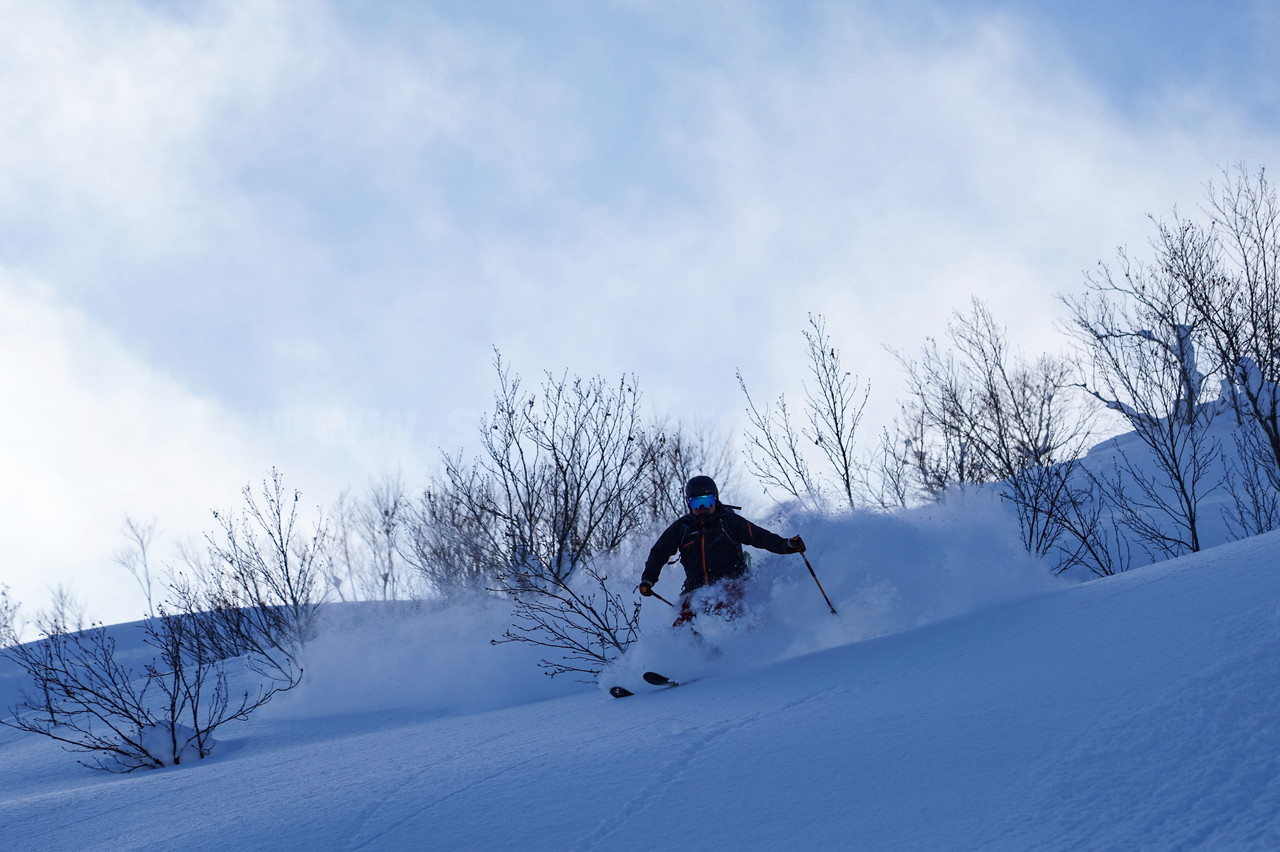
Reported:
(891, 572)
(430, 658)
(884, 573)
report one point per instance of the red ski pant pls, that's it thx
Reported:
(724, 601)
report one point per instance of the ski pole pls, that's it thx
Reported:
(654, 594)
(815, 579)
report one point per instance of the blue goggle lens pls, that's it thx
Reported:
(705, 501)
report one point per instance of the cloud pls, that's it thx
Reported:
(272, 173)
(882, 172)
(295, 231)
(89, 433)
(312, 177)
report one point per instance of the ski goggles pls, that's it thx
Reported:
(704, 501)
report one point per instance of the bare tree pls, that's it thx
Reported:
(382, 519)
(778, 451)
(572, 473)
(566, 475)
(1238, 301)
(85, 698)
(264, 578)
(916, 459)
(65, 612)
(1253, 480)
(1230, 272)
(195, 687)
(888, 478)
(346, 563)
(776, 454)
(250, 598)
(9, 630)
(447, 540)
(834, 404)
(453, 539)
(976, 414)
(366, 545)
(1137, 328)
(135, 558)
(1092, 536)
(123, 718)
(584, 621)
(682, 450)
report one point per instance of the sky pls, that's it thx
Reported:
(291, 234)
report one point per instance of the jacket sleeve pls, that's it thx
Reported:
(748, 533)
(663, 549)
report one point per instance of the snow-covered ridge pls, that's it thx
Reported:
(1130, 712)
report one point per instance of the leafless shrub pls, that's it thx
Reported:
(780, 452)
(367, 544)
(1238, 301)
(978, 414)
(447, 541)
(65, 612)
(264, 577)
(243, 607)
(1138, 331)
(888, 478)
(583, 621)
(567, 473)
(682, 450)
(126, 719)
(563, 476)
(1253, 480)
(776, 454)
(1091, 536)
(1230, 272)
(9, 628)
(135, 557)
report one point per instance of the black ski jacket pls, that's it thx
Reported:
(710, 547)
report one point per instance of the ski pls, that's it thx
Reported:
(659, 680)
(651, 678)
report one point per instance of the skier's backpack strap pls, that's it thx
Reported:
(743, 559)
(684, 529)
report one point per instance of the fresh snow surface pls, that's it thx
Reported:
(961, 700)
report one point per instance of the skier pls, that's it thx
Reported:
(709, 540)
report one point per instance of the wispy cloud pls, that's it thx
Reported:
(90, 433)
(299, 228)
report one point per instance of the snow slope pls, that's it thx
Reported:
(1131, 712)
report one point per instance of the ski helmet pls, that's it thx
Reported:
(699, 486)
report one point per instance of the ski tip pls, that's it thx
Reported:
(658, 680)
(619, 692)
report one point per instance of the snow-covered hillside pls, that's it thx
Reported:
(987, 711)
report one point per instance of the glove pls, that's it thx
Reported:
(797, 544)
(646, 589)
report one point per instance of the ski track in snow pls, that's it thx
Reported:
(378, 819)
(684, 762)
